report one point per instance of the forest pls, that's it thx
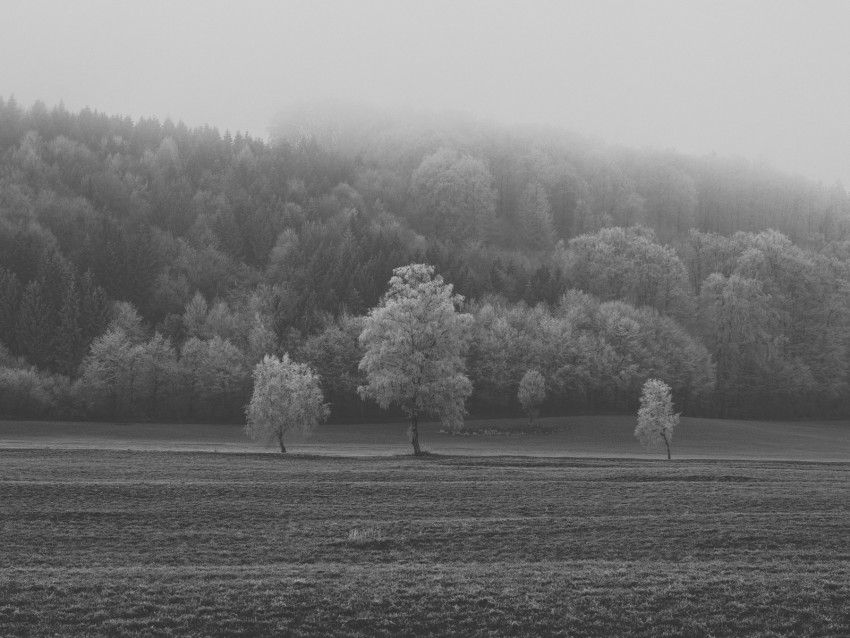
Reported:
(146, 267)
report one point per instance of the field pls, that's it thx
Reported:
(144, 530)
(143, 542)
(583, 436)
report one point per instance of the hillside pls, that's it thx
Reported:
(183, 255)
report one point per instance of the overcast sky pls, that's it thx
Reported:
(766, 79)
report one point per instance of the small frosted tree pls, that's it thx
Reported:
(287, 398)
(415, 344)
(531, 393)
(656, 419)
(106, 369)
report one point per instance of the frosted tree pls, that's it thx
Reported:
(656, 419)
(158, 370)
(287, 398)
(531, 393)
(105, 370)
(415, 343)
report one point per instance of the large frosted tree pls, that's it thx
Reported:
(415, 343)
(287, 398)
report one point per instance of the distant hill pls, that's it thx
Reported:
(723, 276)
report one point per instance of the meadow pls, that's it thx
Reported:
(570, 436)
(145, 542)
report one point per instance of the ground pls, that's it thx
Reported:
(587, 436)
(144, 542)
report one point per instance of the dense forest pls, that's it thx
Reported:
(146, 267)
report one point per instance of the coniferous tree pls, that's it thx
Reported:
(33, 334)
(9, 308)
(94, 310)
(68, 341)
(535, 218)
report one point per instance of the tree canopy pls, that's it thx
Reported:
(415, 343)
(656, 419)
(286, 399)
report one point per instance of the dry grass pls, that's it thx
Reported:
(173, 544)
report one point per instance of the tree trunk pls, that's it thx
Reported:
(667, 443)
(280, 440)
(414, 435)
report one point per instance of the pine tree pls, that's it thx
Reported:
(61, 334)
(94, 309)
(535, 215)
(10, 292)
(33, 330)
(68, 338)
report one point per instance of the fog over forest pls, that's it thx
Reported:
(189, 187)
(146, 267)
(764, 79)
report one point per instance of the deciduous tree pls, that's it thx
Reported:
(415, 342)
(453, 196)
(104, 370)
(531, 393)
(286, 398)
(213, 371)
(656, 419)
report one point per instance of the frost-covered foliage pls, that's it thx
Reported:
(286, 399)
(415, 344)
(656, 419)
(26, 392)
(593, 355)
(151, 227)
(531, 393)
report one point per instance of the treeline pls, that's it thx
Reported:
(145, 267)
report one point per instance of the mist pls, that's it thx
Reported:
(765, 80)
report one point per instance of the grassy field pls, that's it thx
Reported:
(590, 436)
(147, 543)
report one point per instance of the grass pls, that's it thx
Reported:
(594, 436)
(129, 543)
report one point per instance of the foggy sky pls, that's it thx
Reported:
(765, 79)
